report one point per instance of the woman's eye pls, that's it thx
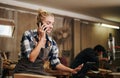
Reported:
(48, 23)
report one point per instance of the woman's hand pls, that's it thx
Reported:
(42, 35)
(74, 71)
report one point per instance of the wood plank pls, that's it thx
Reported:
(23, 75)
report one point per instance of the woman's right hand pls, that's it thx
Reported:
(42, 36)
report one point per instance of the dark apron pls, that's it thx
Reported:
(25, 66)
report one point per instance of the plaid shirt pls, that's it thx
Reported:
(28, 44)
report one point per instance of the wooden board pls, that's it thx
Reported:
(23, 75)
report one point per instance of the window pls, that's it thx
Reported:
(6, 28)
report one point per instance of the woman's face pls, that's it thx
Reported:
(48, 22)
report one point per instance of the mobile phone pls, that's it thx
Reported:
(40, 24)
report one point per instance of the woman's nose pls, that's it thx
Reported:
(51, 26)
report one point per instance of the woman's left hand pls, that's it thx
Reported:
(74, 71)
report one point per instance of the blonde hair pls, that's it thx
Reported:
(43, 14)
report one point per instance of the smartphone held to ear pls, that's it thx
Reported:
(40, 24)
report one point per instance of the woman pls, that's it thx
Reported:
(37, 46)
